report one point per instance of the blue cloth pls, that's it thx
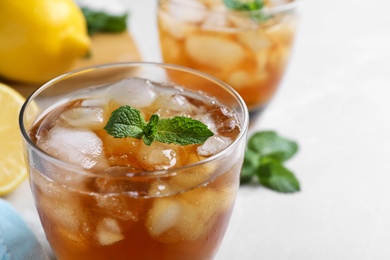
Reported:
(17, 242)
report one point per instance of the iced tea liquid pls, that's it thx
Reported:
(121, 199)
(247, 52)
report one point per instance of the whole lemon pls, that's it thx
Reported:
(40, 39)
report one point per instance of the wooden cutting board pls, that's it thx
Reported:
(105, 48)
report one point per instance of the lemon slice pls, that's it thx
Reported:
(12, 166)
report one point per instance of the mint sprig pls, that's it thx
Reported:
(248, 5)
(244, 5)
(128, 122)
(263, 162)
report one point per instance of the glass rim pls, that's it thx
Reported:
(157, 173)
(266, 10)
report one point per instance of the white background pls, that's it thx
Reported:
(334, 101)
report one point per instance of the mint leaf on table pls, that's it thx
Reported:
(270, 144)
(128, 122)
(251, 166)
(275, 176)
(263, 162)
(100, 21)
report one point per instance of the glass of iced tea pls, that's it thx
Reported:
(101, 197)
(247, 49)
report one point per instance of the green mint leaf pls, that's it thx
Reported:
(252, 162)
(248, 5)
(182, 131)
(244, 5)
(269, 143)
(151, 130)
(263, 162)
(275, 176)
(99, 21)
(126, 122)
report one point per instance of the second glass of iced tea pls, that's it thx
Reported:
(247, 49)
(100, 197)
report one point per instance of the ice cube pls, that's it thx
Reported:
(213, 200)
(200, 210)
(238, 78)
(189, 217)
(85, 117)
(108, 232)
(207, 205)
(163, 215)
(64, 211)
(191, 224)
(261, 60)
(215, 21)
(134, 92)
(208, 121)
(175, 105)
(158, 156)
(161, 188)
(116, 206)
(278, 58)
(255, 40)
(214, 145)
(45, 183)
(242, 21)
(261, 78)
(79, 147)
(225, 120)
(191, 179)
(227, 196)
(213, 51)
(192, 11)
(120, 151)
(176, 28)
(282, 32)
(95, 102)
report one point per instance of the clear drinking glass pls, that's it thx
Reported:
(247, 49)
(104, 198)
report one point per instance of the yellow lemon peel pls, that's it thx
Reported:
(40, 39)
